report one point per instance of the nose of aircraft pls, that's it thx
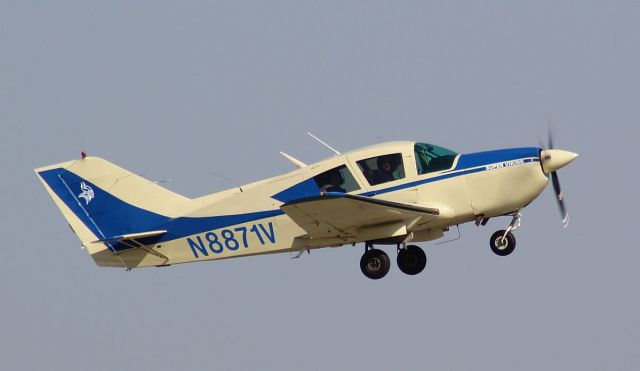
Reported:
(554, 159)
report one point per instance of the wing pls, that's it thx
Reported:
(339, 215)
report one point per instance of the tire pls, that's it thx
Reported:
(411, 260)
(375, 264)
(502, 247)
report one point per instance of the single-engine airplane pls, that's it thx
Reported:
(392, 193)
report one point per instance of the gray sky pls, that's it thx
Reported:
(174, 90)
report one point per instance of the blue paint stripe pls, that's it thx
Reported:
(491, 157)
(187, 226)
(307, 188)
(107, 215)
(420, 182)
(473, 163)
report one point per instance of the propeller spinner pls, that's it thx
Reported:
(552, 160)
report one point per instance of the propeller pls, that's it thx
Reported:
(564, 213)
(552, 160)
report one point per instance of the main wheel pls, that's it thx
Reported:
(502, 246)
(375, 264)
(411, 260)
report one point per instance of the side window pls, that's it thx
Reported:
(338, 179)
(382, 169)
(431, 158)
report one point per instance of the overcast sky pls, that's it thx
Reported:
(176, 90)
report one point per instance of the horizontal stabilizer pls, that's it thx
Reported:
(133, 236)
(139, 241)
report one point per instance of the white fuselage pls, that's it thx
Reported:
(249, 221)
(485, 187)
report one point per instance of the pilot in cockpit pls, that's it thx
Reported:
(333, 182)
(384, 172)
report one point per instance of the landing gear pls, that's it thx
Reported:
(411, 260)
(503, 242)
(375, 264)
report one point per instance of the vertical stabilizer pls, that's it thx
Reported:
(102, 201)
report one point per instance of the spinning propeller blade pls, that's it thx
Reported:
(552, 160)
(564, 213)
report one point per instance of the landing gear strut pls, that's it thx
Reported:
(503, 242)
(374, 263)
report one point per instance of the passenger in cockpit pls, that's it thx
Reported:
(384, 172)
(334, 182)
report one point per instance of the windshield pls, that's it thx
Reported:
(431, 158)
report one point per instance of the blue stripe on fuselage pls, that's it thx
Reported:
(491, 157)
(307, 188)
(469, 164)
(107, 216)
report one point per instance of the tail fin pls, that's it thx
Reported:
(103, 202)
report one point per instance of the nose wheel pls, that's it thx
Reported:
(503, 242)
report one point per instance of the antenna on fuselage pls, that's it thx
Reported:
(297, 163)
(161, 181)
(323, 143)
(226, 178)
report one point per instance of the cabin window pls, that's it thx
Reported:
(431, 158)
(382, 169)
(338, 179)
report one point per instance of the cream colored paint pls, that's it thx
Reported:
(459, 199)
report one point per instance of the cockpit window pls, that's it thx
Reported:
(382, 169)
(338, 179)
(430, 158)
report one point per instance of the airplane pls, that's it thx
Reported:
(394, 193)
